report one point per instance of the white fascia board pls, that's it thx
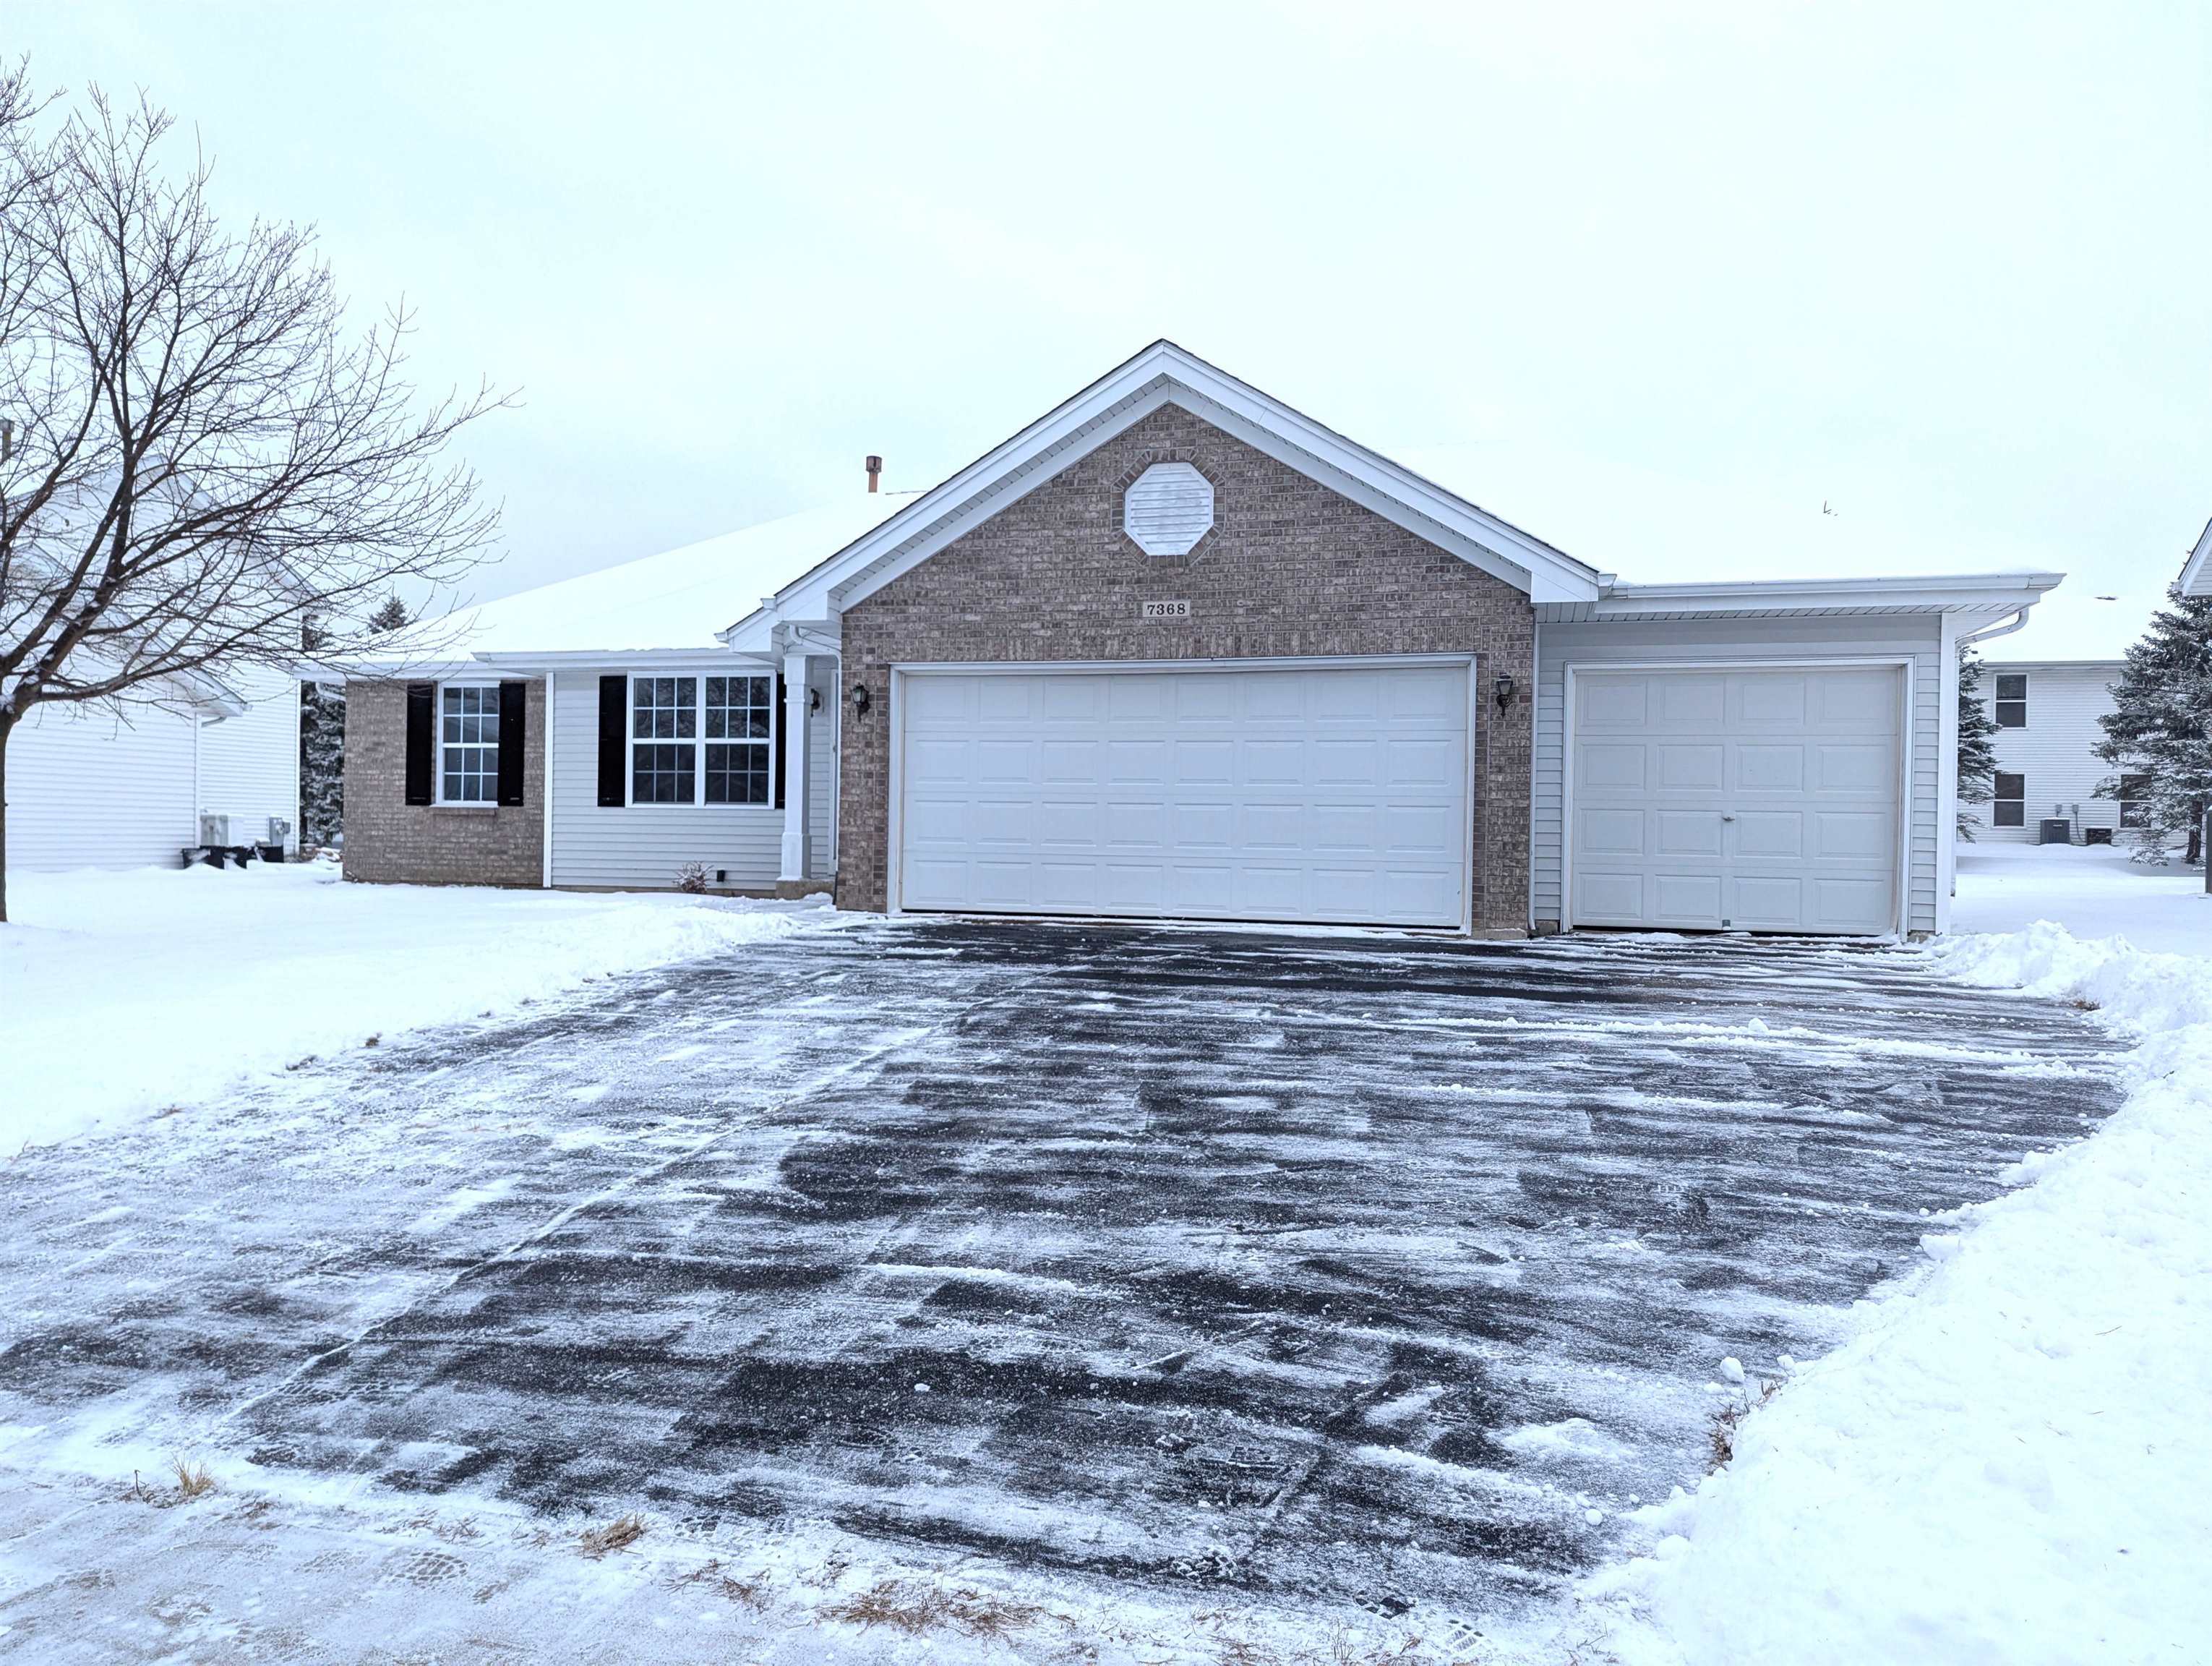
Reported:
(1164, 373)
(2197, 572)
(620, 658)
(1951, 594)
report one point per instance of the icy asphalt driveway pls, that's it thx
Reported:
(1370, 1272)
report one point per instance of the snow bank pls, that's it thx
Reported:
(2012, 1460)
(124, 994)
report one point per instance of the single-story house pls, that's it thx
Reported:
(2046, 713)
(124, 784)
(1175, 650)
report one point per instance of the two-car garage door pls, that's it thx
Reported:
(1311, 792)
(1756, 800)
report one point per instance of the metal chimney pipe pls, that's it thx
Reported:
(875, 473)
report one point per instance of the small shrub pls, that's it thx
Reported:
(692, 878)
(624, 1531)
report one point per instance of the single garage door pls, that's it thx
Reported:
(1335, 793)
(1763, 800)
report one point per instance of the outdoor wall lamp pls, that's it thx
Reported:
(860, 699)
(814, 700)
(1504, 692)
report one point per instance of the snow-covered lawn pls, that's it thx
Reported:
(123, 994)
(2012, 1459)
(2094, 890)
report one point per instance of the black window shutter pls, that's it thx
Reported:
(614, 716)
(776, 762)
(422, 731)
(513, 704)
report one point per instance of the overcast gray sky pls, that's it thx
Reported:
(1656, 289)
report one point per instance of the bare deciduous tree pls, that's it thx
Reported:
(202, 458)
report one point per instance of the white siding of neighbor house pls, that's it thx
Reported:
(2063, 705)
(1915, 637)
(644, 846)
(250, 764)
(96, 786)
(107, 785)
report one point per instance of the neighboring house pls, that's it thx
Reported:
(101, 784)
(2046, 713)
(2197, 572)
(1175, 650)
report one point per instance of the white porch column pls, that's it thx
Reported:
(796, 725)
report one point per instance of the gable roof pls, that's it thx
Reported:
(2197, 572)
(1163, 374)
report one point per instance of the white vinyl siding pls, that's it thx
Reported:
(1915, 638)
(2052, 751)
(250, 764)
(97, 785)
(644, 847)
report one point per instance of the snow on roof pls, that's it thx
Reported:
(672, 602)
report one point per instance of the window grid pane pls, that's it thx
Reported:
(661, 774)
(736, 773)
(739, 707)
(664, 709)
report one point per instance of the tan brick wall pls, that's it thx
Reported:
(1291, 568)
(389, 841)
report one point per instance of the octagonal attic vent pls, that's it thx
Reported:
(1167, 509)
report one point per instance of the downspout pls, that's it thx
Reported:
(1535, 695)
(2018, 621)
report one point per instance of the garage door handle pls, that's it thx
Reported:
(1728, 815)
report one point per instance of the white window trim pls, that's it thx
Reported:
(1996, 679)
(438, 798)
(699, 742)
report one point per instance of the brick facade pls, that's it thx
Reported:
(1291, 568)
(389, 841)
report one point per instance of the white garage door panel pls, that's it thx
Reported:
(1335, 793)
(1757, 799)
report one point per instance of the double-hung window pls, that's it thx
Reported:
(740, 739)
(703, 740)
(2010, 807)
(468, 743)
(664, 754)
(2012, 699)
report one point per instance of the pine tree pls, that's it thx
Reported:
(322, 762)
(390, 616)
(2159, 727)
(1977, 752)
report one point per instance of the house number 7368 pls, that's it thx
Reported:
(1167, 610)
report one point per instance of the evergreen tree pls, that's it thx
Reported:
(322, 762)
(2159, 727)
(322, 750)
(390, 616)
(1978, 753)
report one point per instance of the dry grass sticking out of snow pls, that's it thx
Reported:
(127, 994)
(2012, 1459)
